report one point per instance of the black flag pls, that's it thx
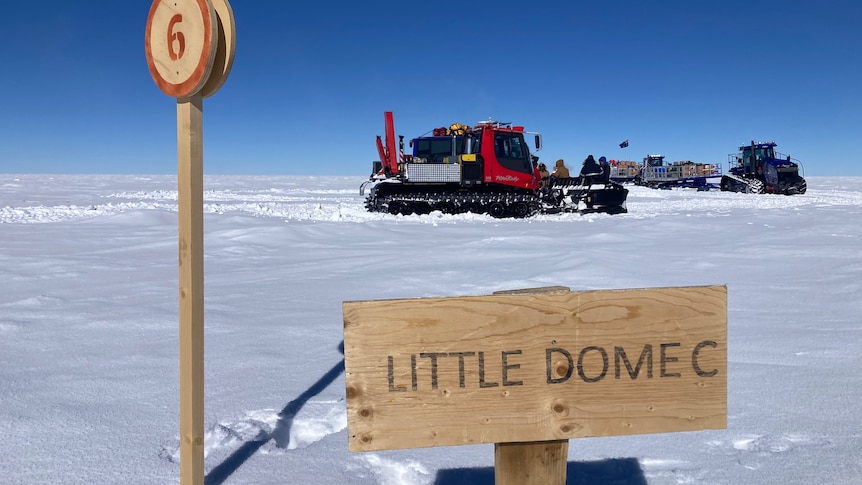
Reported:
(625, 143)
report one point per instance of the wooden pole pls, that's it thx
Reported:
(536, 463)
(191, 268)
(208, 29)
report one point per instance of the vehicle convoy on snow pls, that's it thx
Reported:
(624, 171)
(658, 174)
(759, 169)
(484, 169)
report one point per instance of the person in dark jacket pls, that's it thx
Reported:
(606, 170)
(590, 170)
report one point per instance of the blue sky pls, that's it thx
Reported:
(692, 80)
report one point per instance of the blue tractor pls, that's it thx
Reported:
(759, 169)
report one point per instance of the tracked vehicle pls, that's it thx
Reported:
(659, 174)
(485, 169)
(759, 169)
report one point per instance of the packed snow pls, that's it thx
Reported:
(89, 326)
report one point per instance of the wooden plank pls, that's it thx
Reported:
(225, 50)
(539, 463)
(191, 290)
(534, 367)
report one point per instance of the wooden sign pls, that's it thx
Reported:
(524, 367)
(225, 48)
(181, 43)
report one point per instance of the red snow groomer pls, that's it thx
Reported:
(487, 169)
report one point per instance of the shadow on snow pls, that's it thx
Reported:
(281, 432)
(619, 471)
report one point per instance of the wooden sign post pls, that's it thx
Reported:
(190, 46)
(530, 370)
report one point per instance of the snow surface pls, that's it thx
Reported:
(88, 326)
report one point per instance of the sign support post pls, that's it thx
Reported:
(541, 462)
(191, 290)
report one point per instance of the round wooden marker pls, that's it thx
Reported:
(181, 41)
(225, 50)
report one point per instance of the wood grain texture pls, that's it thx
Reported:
(226, 47)
(540, 463)
(534, 367)
(180, 44)
(191, 288)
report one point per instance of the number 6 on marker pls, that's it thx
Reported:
(175, 36)
(189, 45)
